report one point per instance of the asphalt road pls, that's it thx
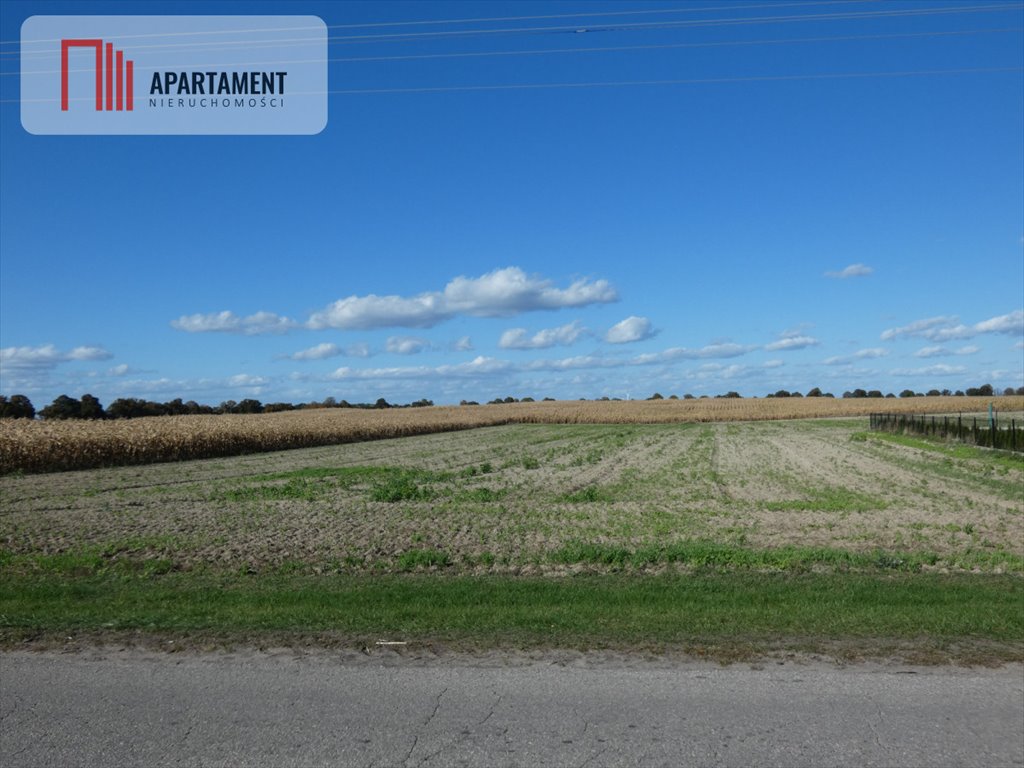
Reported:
(124, 708)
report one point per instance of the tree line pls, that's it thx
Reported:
(89, 407)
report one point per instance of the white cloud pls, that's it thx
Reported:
(724, 350)
(791, 343)
(406, 345)
(920, 328)
(47, 357)
(229, 322)
(319, 352)
(359, 349)
(89, 353)
(714, 371)
(870, 354)
(501, 293)
(564, 335)
(119, 370)
(573, 363)
(932, 370)
(772, 364)
(246, 380)
(863, 354)
(480, 366)
(488, 365)
(463, 344)
(947, 328)
(854, 270)
(631, 329)
(938, 351)
(1012, 324)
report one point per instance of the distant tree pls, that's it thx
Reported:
(228, 406)
(248, 406)
(175, 407)
(656, 396)
(907, 393)
(17, 407)
(134, 408)
(874, 393)
(890, 396)
(985, 390)
(63, 407)
(1008, 391)
(527, 400)
(782, 393)
(934, 393)
(421, 403)
(670, 397)
(510, 399)
(732, 395)
(946, 393)
(1019, 391)
(121, 408)
(381, 403)
(814, 392)
(958, 393)
(548, 400)
(688, 396)
(91, 408)
(278, 407)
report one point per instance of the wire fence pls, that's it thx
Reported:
(990, 432)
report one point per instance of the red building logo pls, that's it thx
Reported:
(119, 96)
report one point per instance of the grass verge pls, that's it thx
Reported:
(963, 618)
(949, 449)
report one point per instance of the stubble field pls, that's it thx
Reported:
(818, 495)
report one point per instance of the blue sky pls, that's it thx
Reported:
(768, 221)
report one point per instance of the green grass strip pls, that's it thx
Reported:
(951, 450)
(496, 611)
(699, 553)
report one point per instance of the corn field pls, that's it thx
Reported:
(49, 446)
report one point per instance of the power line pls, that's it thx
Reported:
(600, 49)
(639, 27)
(470, 21)
(684, 81)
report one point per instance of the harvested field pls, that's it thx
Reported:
(37, 446)
(540, 499)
